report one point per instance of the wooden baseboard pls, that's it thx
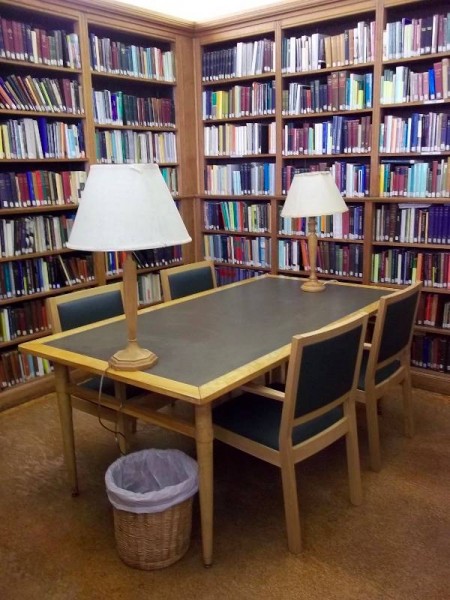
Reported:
(20, 394)
(430, 380)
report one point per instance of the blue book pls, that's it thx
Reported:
(43, 134)
(431, 84)
(30, 184)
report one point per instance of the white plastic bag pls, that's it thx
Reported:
(150, 481)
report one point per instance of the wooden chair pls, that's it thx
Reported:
(316, 409)
(84, 307)
(178, 282)
(386, 362)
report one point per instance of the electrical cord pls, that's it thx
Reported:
(117, 434)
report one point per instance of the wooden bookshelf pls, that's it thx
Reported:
(163, 120)
(312, 100)
(281, 103)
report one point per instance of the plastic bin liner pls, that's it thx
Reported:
(151, 481)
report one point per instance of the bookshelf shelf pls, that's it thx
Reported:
(24, 338)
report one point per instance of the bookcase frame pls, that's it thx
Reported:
(188, 40)
(135, 24)
(318, 15)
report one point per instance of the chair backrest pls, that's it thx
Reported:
(178, 282)
(83, 307)
(394, 326)
(323, 372)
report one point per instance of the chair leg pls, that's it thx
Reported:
(353, 463)
(291, 508)
(407, 405)
(373, 433)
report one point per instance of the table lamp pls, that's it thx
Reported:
(311, 195)
(127, 208)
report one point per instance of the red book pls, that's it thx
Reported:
(23, 191)
(438, 84)
(343, 75)
(8, 39)
(18, 42)
(38, 188)
(44, 47)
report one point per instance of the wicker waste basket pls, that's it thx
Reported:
(151, 492)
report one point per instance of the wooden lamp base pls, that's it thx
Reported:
(133, 358)
(313, 284)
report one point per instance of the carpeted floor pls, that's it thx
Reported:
(395, 546)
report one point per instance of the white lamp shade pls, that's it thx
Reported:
(125, 208)
(312, 195)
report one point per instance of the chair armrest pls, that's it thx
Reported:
(262, 390)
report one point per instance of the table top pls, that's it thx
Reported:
(212, 342)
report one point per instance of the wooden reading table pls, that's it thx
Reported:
(208, 344)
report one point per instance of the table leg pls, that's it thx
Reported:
(204, 443)
(65, 416)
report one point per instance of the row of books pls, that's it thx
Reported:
(403, 267)
(16, 368)
(149, 289)
(420, 132)
(41, 94)
(28, 42)
(240, 140)
(237, 216)
(225, 274)
(342, 90)
(240, 179)
(110, 56)
(332, 258)
(118, 108)
(340, 135)
(238, 250)
(415, 178)
(243, 59)
(20, 320)
(433, 311)
(239, 101)
(317, 51)
(145, 259)
(412, 224)
(417, 36)
(37, 234)
(38, 139)
(341, 226)
(40, 188)
(170, 175)
(352, 179)
(405, 85)
(27, 277)
(431, 352)
(119, 147)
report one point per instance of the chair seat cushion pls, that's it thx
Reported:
(380, 375)
(258, 418)
(93, 383)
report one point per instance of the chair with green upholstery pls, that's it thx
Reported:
(316, 409)
(85, 307)
(386, 362)
(184, 280)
